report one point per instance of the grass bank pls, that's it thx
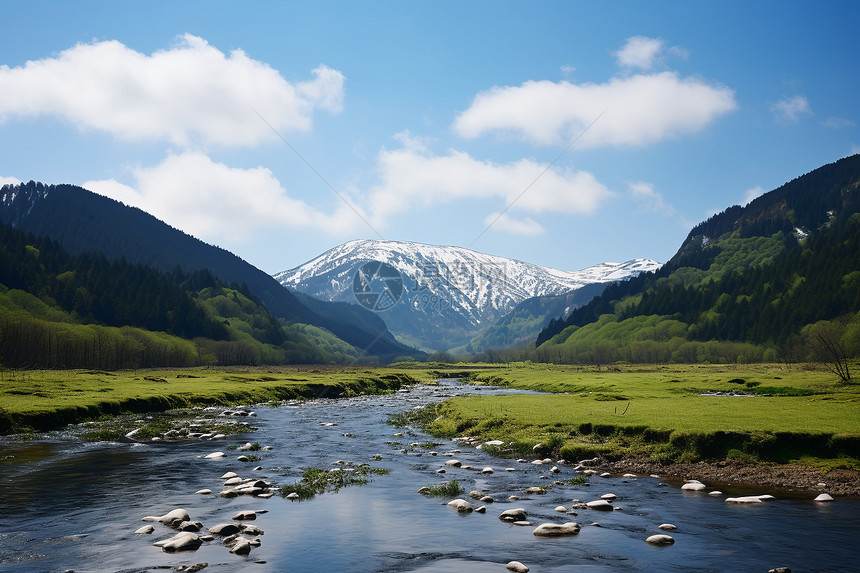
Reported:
(671, 414)
(39, 400)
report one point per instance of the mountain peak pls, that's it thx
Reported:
(445, 294)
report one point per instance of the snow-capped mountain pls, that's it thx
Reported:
(438, 296)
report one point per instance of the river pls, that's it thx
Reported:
(67, 505)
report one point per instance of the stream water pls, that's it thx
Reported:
(66, 505)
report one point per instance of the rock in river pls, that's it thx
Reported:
(516, 514)
(749, 499)
(461, 505)
(600, 504)
(556, 529)
(145, 530)
(517, 567)
(225, 529)
(661, 539)
(170, 518)
(183, 541)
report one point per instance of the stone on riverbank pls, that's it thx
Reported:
(749, 499)
(694, 485)
(516, 567)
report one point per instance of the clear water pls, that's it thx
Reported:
(67, 505)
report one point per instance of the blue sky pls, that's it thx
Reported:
(560, 133)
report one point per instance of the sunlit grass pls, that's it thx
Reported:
(672, 413)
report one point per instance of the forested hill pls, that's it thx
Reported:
(744, 285)
(84, 311)
(84, 222)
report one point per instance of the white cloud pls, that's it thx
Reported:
(644, 194)
(639, 52)
(503, 222)
(218, 203)
(414, 177)
(838, 123)
(790, 109)
(190, 93)
(639, 109)
(9, 181)
(751, 194)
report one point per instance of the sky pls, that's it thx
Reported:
(564, 134)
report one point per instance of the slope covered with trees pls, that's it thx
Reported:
(59, 310)
(746, 284)
(84, 222)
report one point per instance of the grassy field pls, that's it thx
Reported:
(670, 413)
(50, 399)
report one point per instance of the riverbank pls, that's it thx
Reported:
(43, 400)
(755, 424)
(805, 481)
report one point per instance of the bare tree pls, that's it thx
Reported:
(826, 341)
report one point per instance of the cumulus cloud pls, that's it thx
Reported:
(218, 203)
(413, 176)
(504, 222)
(790, 109)
(639, 109)
(639, 52)
(191, 93)
(8, 181)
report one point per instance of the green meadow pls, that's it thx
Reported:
(672, 413)
(50, 399)
(667, 413)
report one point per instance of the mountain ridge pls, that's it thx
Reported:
(449, 293)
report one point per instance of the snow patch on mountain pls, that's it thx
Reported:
(453, 288)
